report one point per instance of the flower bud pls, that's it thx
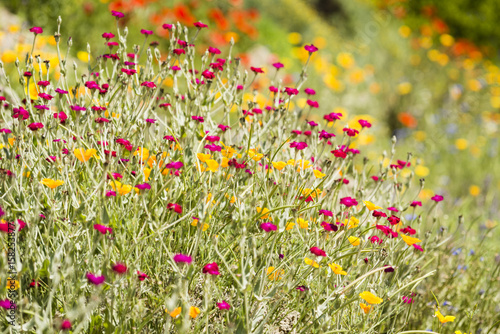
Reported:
(70, 42)
(59, 20)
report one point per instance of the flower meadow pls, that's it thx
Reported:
(151, 192)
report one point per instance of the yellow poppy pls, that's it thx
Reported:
(354, 241)
(370, 206)
(311, 262)
(318, 174)
(212, 165)
(302, 223)
(337, 269)
(443, 319)
(409, 240)
(279, 165)
(275, 275)
(194, 312)
(83, 156)
(370, 298)
(203, 157)
(52, 184)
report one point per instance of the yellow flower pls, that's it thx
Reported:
(147, 171)
(252, 153)
(224, 162)
(212, 165)
(12, 283)
(122, 189)
(404, 88)
(370, 206)
(474, 190)
(52, 184)
(303, 164)
(421, 170)
(370, 298)
(353, 222)
(203, 157)
(290, 162)
(85, 155)
(409, 240)
(144, 153)
(205, 225)
(461, 144)
(354, 241)
(279, 165)
(337, 269)
(311, 262)
(459, 332)
(194, 312)
(345, 60)
(228, 152)
(275, 275)
(263, 212)
(289, 226)
(175, 312)
(318, 174)
(302, 223)
(443, 319)
(366, 308)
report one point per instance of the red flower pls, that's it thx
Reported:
(339, 153)
(257, 70)
(200, 25)
(119, 268)
(317, 251)
(141, 276)
(176, 207)
(211, 268)
(394, 220)
(378, 214)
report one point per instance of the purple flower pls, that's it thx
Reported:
(96, 280)
(182, 258)
(268, 227)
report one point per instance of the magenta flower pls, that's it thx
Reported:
(350, 132)
(329, 227)
(298, 145)
(268, 227)
(378, 214)
(61, 91)
(326, 213)
(339, 153)
(101, 120)
(211, 268)
(42, 107)
(150, 120)
(148, 84)
(278, 65)
(6, 304)
(348, 201)
(103, 229)
(312, 123)
(198, 118)
(313, 104)
(310, 91)
(27, 74)
(311, 48)
(2, 213)
(374, 239)
(325, 135)
(418, 247)
(209, 75)
(143, 186)
(257, 70)
(393, 220)
(174, 206)
(213, 148)
(167, 26)
(408, 230)
(110, 193)
(36, 30)
(45, 96)
(297, 132)
(223, 305)
(200, 25)
(291, 91)
(35, 126)
(239, 87)
(7, 131)
(128, 71)
(174, 165)
(223, 127)
(141, 276)
(96, 280)
(392, 209)
(182, 258)
(146, 32)
(364, 123)
(332, 117)
(437, 198)
(415, 204)
(212, 138)
(77, 108)
(407, 300)
(273, 89)
(302, 288)
(317, 251)
(116, 14)
(108, 35)
(388, 269)
(119, 268)
(179, 51)
(66, 325)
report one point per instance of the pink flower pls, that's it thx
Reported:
(437, 198)
(150, 120)
(311, 48)
(35, 126)
(312, 123)
(418, 247)
(167, 26)
(60, 91)
(174, 165)
(36, 30)
(374, 239)
(278, 65)
(182, 258)
(77, 108)
(364, 123)
(148, 84)
(408, 230)
(268, 227)
(7, 131)
(392, 209)
(213, 50)
(339, 153)
(213, 148)
(45, 96)
(297, 132)
(394, 220)
(209, 75)
(65, 325)
(198, 118)
(179, 51)
(291, 91)
(108, 35)
(378, 214)
(223, 305)
(348, 201)
(298, 145)
(116, 14)
(119, 268)
(7, 304)
(103, 229)
(143, 186)
(415, 204)
(110, 193)
(146, 32)
(211, 268)
(273, 89)
(317, 251)
(96, 280)
(351, 132)
(212, 138)
(375, 178)
(329, 227)
(326, 213)
(141, 276)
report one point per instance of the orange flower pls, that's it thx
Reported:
(84, 156)
(52, 184)
(407, 120)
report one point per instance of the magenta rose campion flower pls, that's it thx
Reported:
(348, 201)
(119, 268)
(223, 305)
(268, 227)
(211, 269)
(182, 258)
(437, 198)
(311, 48)
(317, 251)
(96, 280)
(36, 30)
